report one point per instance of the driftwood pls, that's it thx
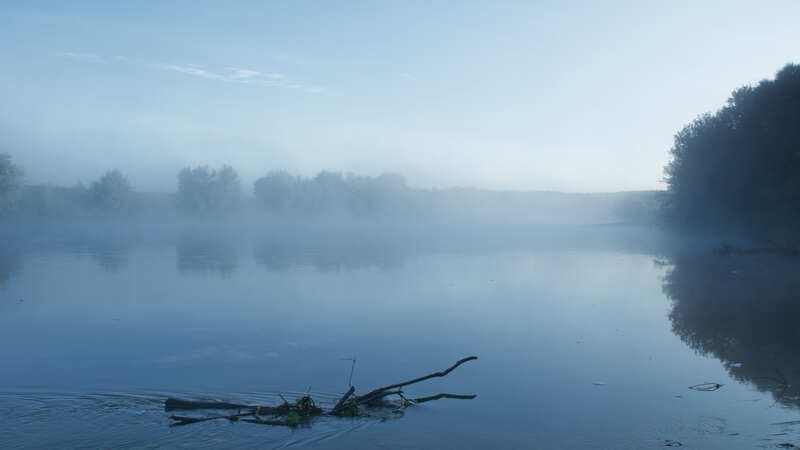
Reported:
(304, 409)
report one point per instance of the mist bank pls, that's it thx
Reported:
(56, 204)
(206, 194)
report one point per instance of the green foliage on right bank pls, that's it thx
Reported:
(738, 169)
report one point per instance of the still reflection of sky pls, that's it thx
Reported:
(576, 346)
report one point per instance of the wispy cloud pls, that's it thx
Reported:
(245, 76)
(228, 74)
(194, 71)
(83, 57)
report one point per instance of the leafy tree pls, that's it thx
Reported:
(111, 192)
(277, 191)
(739, 169)
(10, 183)
(203, 189)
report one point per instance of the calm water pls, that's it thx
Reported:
(587, 338)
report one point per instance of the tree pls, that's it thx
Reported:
(278, 191)
(111, 192)
(10, 183)
(203, 189)
(739, 169)
(227, 188)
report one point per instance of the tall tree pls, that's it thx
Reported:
(739, 169)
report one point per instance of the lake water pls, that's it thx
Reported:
(587, 337)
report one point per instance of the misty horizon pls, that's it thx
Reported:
(427, 90)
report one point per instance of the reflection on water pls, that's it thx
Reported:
(111, 255)
(201, 256)
(568, 324)
(10, 263)
(213, 250)
(326, 258)
(745, 311)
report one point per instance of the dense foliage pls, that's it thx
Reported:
(739, 168)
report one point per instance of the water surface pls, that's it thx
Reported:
(587, 338)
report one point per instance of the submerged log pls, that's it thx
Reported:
(171, 404)
(185, 420)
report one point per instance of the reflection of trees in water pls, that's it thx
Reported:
(110, 255)
(10, 263)
(744, 310)
(207, 255)
(327, 257)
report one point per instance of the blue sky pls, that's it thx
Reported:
(572, 96)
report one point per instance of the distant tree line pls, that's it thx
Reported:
(738, 169)
(280, 192)
(110, 193)
(204, 190)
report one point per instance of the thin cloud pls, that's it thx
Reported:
(229, 74)
(83, 57)
(193, 71)
(245, 76)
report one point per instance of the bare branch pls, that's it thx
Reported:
(377, 392)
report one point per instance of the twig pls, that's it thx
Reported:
(377, 392)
